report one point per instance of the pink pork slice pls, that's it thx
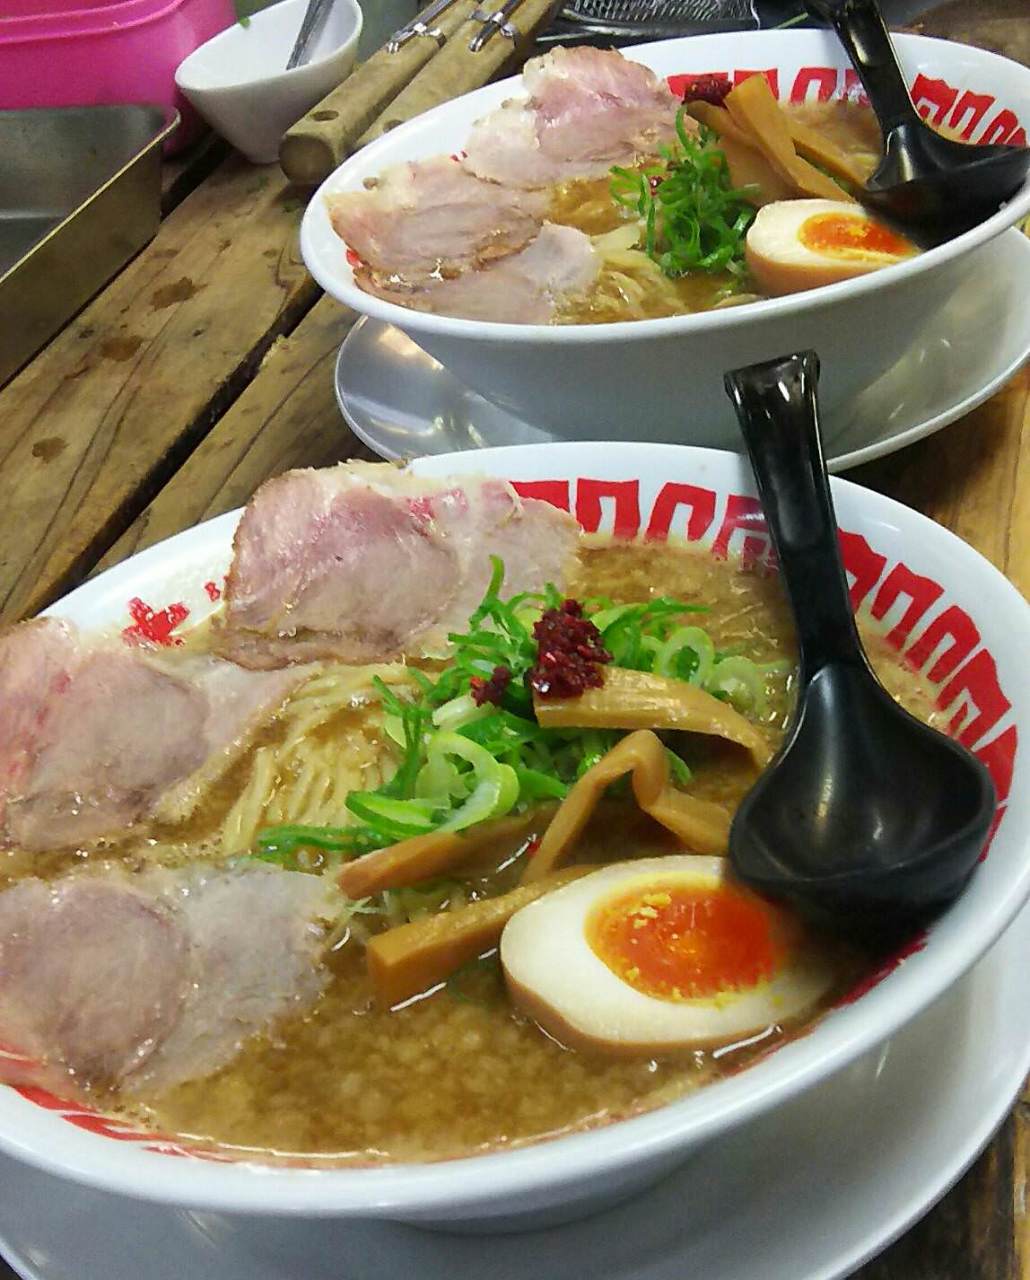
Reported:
(104, 734)
(525, 288)
(429, 217)
(587, 109)
(364, 562)
(143, 982)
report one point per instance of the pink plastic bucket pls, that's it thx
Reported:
(63, 53)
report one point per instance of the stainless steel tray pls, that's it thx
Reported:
(80, 193)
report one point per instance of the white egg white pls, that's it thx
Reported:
(554, 975)
(780, 263)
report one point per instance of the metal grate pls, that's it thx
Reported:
(660, 11)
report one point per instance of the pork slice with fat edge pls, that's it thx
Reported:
(314, 575)
(431, 217)
(105, 732)
(145, 981)
(586, 110)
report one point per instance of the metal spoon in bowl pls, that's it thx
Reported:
(866, 816)
(310, 28)
(930, 186)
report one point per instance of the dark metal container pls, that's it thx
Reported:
(80, 194)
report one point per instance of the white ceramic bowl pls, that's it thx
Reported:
(662, 379)
(950, 612)
(239, 83)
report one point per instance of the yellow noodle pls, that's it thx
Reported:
(305, 776)
(631, 260)
(631, 292)
(240, 826)
(621, 240)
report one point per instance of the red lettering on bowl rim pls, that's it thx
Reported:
(921, 592)
(154, 626)
(625, 494)
(700, 504)
(556, 492)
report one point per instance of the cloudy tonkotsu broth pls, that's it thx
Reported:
(461, 1071)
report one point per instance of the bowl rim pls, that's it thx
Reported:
(237, 31)
(366, 162)
(956, 941)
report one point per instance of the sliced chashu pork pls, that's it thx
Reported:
(144, 981)
(104, 735)
(524, 288)
(364, 562)
(586, 110)
(431, 218)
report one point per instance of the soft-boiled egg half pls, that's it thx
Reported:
(660, 954)
(801, 244)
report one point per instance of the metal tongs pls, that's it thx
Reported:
(492, 24)
(420, 27)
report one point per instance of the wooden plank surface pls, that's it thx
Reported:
(107, 413)
(974, 478)
(287, 417)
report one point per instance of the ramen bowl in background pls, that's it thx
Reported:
(947, 611)
(662, 379)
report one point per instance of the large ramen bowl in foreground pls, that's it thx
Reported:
(944, 607)
(662, 379)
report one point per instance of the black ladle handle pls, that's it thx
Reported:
(776, 405)
(862, 31)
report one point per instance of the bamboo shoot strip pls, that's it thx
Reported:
(699, 824)
(408, 960)
(643, 700)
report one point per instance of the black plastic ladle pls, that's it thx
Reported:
(866, 815)
(930, 186)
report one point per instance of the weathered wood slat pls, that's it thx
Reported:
(287, 417)
(184, 173)
(974, 478)
(969, 1235)
(104, 417)
(1021, 1186)
(999, 25)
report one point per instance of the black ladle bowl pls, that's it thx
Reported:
(927, 185)
(866, 816)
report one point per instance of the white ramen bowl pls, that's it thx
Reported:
(950, 612)
(662, 379)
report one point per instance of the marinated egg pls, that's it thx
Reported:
(659, 954)
(794, 245)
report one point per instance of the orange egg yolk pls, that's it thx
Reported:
(850, 236)
(683, 942)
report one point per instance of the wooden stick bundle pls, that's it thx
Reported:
(390, 88)
(456, 70)
(326, 136)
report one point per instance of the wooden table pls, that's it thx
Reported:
(206, 367)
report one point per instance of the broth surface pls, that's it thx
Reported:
(631, 287)
(460, 1071)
